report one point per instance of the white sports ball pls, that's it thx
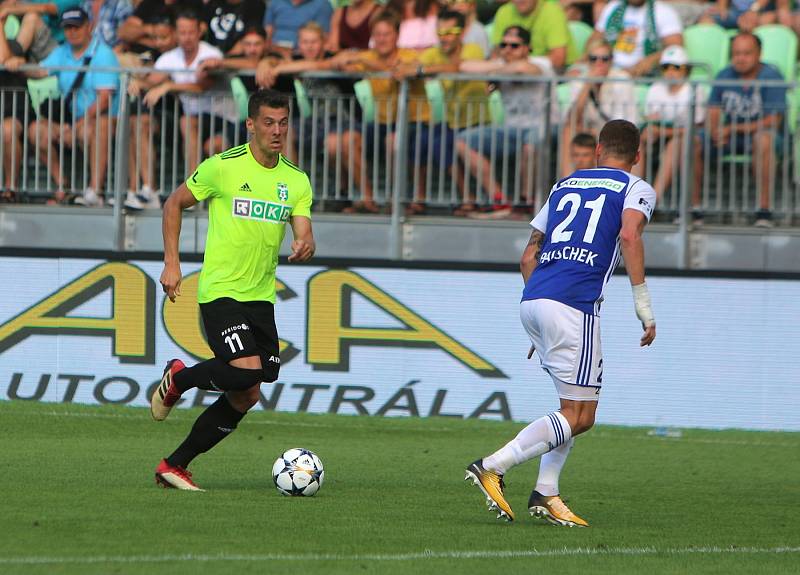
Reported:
(298, 472)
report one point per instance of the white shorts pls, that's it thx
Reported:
(568, 343)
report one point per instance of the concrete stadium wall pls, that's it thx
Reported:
(399, 341)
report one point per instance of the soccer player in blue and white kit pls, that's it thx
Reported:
(589, 218)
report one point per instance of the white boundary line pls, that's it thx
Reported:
(423, 555)
(598, 434)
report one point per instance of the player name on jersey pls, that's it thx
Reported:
(569, 253)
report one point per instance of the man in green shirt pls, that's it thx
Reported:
(547, 23)
(252, 191)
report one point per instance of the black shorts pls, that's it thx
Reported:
(239, 329)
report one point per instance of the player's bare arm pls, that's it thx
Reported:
(530, 257)
(171, 220)
(303, 246)
(632, 248)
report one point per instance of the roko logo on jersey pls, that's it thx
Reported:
(261, 210)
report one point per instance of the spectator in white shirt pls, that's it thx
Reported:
(205, 117)
(668, 108)
(638, 30)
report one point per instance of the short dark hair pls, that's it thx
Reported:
(386, 16)
(447, 14)
(257, 30)
(188, 14)
(520, 32)
(620, 138)
(268, 98)
(584, 140)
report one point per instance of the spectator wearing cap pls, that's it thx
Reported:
(107, 16)
(746, 117)
(284, 18)
(89, 97)
(547, 24)
(668, 109)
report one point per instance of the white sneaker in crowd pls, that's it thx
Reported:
(149, 198)
(90, 199)
(131, 202)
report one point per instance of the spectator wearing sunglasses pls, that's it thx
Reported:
(668, 108)
(638, 30)
(465, 101)
(523, 128)
(595, 100)
(547, 24)
(474, 31)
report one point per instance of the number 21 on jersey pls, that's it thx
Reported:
(574, 202)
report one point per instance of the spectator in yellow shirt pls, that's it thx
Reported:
(465, 102)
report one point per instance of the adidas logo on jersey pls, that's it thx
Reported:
(245, 188)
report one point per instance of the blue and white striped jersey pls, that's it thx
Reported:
(581, 221)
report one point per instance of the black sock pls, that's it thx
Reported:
(215, 374)
(213, 425)
(196, 376)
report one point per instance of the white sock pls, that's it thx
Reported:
(550, 467)
(541, 436)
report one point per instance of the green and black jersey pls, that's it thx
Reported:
(248, 210)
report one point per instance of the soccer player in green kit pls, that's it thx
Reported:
(252, 192)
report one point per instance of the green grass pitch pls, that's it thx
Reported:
(78, 497)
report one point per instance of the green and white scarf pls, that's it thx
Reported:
(616, 22)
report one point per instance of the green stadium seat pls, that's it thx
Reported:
(708, 45)
(435, 93)
(303, 101)
(641, 99)
(366, 100)
(42, 88)
(779, 48)
(581, 32)
(240, 96)
(496, 110)
(564, 96)
(11, 28)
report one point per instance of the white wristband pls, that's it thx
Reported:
(641, 300)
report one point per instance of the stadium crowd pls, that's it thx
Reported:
(192, 47)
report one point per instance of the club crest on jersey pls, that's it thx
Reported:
(283, 192)
(261, 210)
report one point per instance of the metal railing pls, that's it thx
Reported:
(425, 145)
